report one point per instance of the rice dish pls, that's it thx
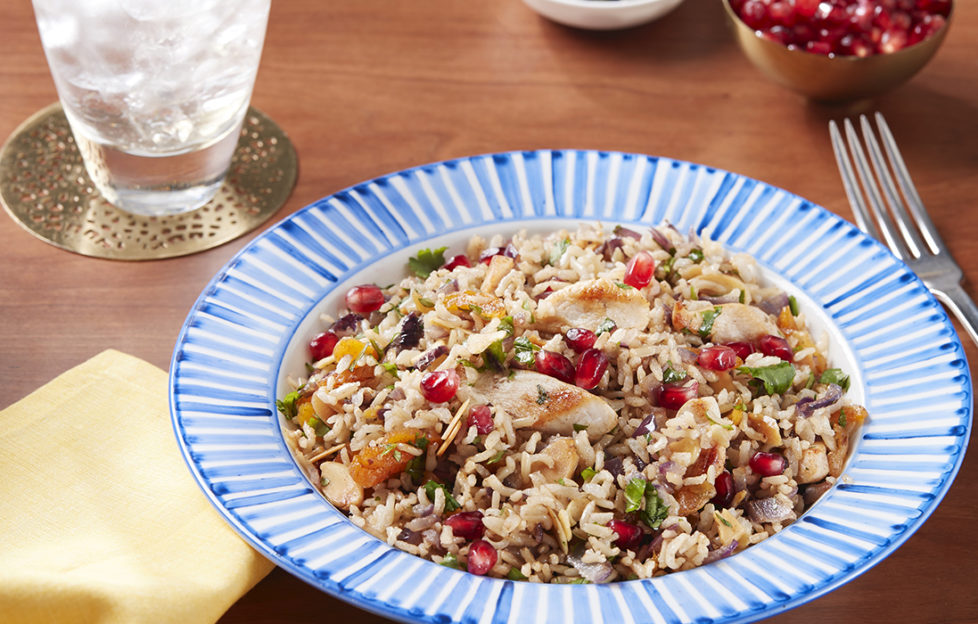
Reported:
(579, 407)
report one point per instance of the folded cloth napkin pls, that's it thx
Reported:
(100, 520)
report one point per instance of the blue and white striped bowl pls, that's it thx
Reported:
(246, 333)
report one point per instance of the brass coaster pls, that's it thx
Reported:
(45, 188)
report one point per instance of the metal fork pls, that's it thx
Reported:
(912, 239)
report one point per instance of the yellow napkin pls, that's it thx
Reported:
(100, 520)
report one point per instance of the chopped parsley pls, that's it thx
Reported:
(634, 494)
(558, 250)
(451, 561)
(427, 261)
(793, 305)
(318, 426)
(696, 255)
(588, 473)
(579, 427)
(506, 325)
(391, 368)
(495, 458)
(606, 325)
(542, 395)
(624, 286)
(775, 379)
(525, 351)
(641, 496)
(842, 417)
(720, 518)
(287, 404)
(835, 376)
(709, 316)
(514, 574)
(671, 375)
(450, 503)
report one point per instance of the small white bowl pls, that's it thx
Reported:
(602, 14)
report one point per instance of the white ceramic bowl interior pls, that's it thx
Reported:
(602, 14)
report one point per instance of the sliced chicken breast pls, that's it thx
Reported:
(552, 405)
(587, 304)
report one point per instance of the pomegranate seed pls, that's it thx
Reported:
(580, 339)
(673, 396)
(440, 386)
(629, 535)
(482, 557)
(554, 364)
(768, 464)
(776, 346)
(640, 270)
(718, 358)
(844, 27)
(466, 524)
(725, 490)
(590, 368)
(480, 416)
(322, 345)
(457, 261)
(742, 349)
(364, 299)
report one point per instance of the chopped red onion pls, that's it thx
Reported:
(661, 240)
(592, 572)
(772, 509)
(774, 305)
(721, 553)
(625, 232)
(807, 406)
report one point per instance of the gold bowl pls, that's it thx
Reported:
(833, 78)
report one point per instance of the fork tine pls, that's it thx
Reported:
(859, 209)
(890, 237)
(908, 189)
(903, 221)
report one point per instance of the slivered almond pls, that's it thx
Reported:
(558, 529)
(326, 453)
(454, 426)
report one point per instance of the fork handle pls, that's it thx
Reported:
(960, 304)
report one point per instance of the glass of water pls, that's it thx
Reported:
(155, 92)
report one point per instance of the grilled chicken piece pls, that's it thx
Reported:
(814, 464)
(735, 322)
(555, 406)
(588, 304)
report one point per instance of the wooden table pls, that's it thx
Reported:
(369, 87)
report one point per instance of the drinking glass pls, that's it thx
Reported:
(155, 92)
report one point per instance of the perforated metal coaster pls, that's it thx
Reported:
(45, 188)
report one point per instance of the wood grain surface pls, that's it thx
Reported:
(369, 87)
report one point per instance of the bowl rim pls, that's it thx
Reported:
(608, 6)
(933, 39)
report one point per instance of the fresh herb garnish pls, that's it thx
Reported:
(506, 325)
(720, 518)
(558, 250)
(431, 486)
(696, 255)
(391, 368)
(692, 292)
(495, 458)
(743, 296)
(287, 404)
(579, 427)
(634, 494)
(671, 375)
(842, 417)
(451, 561)
(318, 426)
(494, 356)
(526, 306)
(427, 261)
(514, 574)
(588, 473)
(525, 351)
(775, 379)
(542, 395)
(606, 325)
(835, 376)
(624, 286)
(655, 511)
(709, 316)
(793, 305)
